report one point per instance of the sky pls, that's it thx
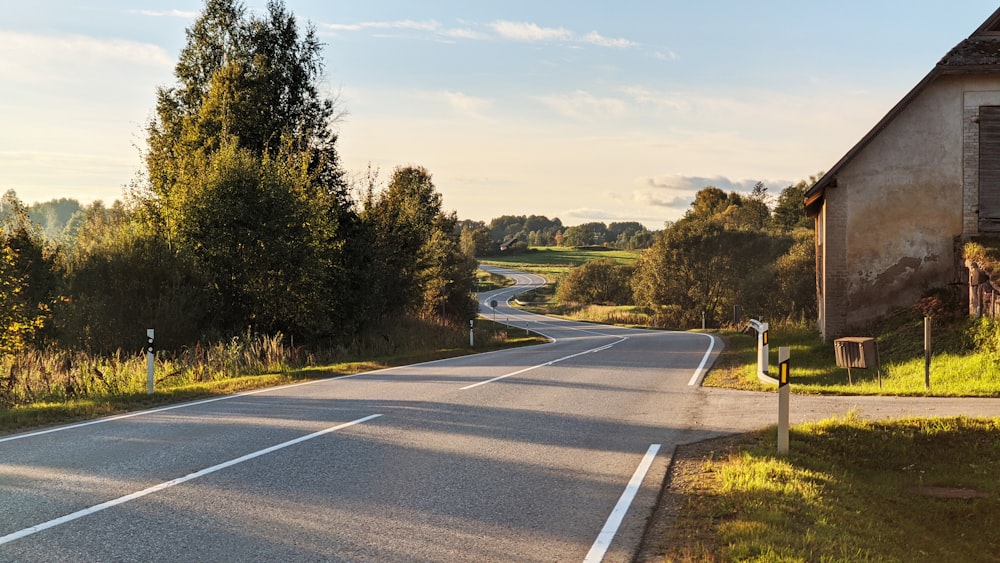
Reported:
(581, 110)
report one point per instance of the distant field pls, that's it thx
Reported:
(558, 260)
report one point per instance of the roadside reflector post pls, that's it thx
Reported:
(149, 361)
(472, 334)
(762, 350)
(783, 392)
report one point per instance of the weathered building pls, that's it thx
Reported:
(891, 214)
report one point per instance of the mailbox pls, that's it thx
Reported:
(856, 352)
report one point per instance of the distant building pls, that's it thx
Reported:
(892, 213)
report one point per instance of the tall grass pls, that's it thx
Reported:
(54, 376)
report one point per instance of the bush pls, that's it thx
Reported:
(598, 282)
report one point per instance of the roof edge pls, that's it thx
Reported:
(814, 196)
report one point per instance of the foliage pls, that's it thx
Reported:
(416, 263)
(724, 252)
(121, 279)
(534, 230)
(789, 214)
(255, 79)
(476, 242)
(28, 278)
(602, 281)
(54, 215)
(262, 233)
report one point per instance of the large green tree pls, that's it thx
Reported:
(416, 263)
(255, 79)
(244, 177)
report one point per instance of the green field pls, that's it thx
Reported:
(558, 260)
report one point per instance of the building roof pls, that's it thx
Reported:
(979, 53)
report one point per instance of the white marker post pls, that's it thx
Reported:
(149, 361)
(783, 393)
(472, 336)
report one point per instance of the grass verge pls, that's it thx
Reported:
(39, 414)
(957, 370)
(849, 490)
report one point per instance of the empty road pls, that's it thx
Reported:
(547, 453)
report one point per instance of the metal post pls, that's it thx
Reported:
(927, 352)
(149, 361)
(703, 320)
(783, 393)
(472, 334)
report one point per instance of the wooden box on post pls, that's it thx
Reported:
(860, 352)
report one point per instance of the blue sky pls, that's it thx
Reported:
(586, 111)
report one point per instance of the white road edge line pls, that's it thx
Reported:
(556, 361)
(166, 485)
(603, 541)
(698, 372)
(214, 399)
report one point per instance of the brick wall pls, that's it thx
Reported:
(835, 263)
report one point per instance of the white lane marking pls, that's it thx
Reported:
(603, 541)
(698, 372)
(138, 494)
(556, 361)
(214, 399)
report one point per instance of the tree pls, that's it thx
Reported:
(789, 212)
(577, 236)
(415, 259)
(262, 233)
(251, 78)
(122, 278)
(703, 266)
(28, 283)
(476, 242)
(244, 177)
(601, 281)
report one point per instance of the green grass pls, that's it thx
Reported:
(123, 387)
(558, 260)
(849, 490)
(956, 371)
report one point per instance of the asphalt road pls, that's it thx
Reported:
(548, 453)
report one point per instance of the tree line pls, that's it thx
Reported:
(242, 218)
(516, 233)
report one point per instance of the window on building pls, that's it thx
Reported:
(989, 169)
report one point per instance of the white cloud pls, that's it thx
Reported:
(676, 191)
(583, 105)
(666, 55)
(167, 13)
(598, 39)
(47, 58)
(523, 31)
(429, 25)
(504, 29)
(467, 105)
(464, 33)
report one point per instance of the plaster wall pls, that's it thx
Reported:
(901, 202)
